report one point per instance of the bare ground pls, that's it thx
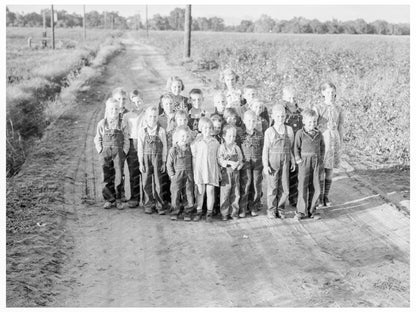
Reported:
(356, 256)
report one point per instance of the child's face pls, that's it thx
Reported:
(232, 120)
(113, 111)
(250, 123)
(288, 95)
(181, 121)
(176, 87)
(137, 101)
(309, 123)
(167, 105)
(229, 81)
(219, 103)
(196, 100)
(217, 126)
(182, 138)
(279, 117)
(206, 130)
(257, 107)
(249, 94)
(121, 98)
(151, 118)
(329, 94)
(229, 136)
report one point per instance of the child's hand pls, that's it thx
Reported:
(142, 169)
(268, 170)
(299, 162)
(163, 167)
(292, 166)
(101, 150)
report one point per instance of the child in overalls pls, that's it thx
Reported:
(294, 120)
(179, 168)
(230, 159)
(309, 153)
(151, 149)
(277, 158)
(251, 173)
(112, 144)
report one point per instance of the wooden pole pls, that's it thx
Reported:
(105, 19)
(44, 21)
(53, 28)
(187, 28)
(147, 24)
(84, 24)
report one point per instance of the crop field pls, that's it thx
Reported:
(371, 73)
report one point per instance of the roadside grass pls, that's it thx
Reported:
(43, 83)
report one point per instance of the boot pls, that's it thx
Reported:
(327, 202)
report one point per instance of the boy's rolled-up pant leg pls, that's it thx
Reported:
(246, 179)
(293, 186)
(235, 193)
(303, 185)
(176, 186)
(149, 200)
(134, 171)
(107, 165)
(283, 184)
(119, 158)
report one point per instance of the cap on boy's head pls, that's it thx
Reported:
(309, 113)
(118, 91)
(137, 93)
(195, 91)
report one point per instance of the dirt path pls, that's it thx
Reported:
(357, 255)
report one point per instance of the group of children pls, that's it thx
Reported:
(181, 158)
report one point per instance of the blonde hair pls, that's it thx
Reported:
(228, 128)
(118, 91)
(228, 73)
(278, 108)
(171, 80)
(204, 121)
(151, 109)
(181, 113)
(110, 103)
(249, 113)
(309, 113)
(177, 131)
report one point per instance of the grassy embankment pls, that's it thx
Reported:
(43, 83)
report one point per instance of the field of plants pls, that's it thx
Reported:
(371, 73)
(42, 83)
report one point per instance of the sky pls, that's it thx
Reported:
(233, 14)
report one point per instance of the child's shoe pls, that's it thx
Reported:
(235, 217)
(316, 216)
(209, 217)
(253, 213)
(109, 205)
(327, 202)
(281, 215)
(123, 198)
(187, 217)
(271, 215)
(120, 205)
(133, 203)
(242, 215)
(298, 216)
(148, 210)
(161, 212)
(174, 217)
(224, 218)
(197, 217)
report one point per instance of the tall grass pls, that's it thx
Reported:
(371, 73)
(36, 78)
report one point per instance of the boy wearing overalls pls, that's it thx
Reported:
(151, 150)
(112, 144)
(179, 167)
(277, 158)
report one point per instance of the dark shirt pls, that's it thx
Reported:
(309, 143)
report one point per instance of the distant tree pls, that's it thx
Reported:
(134, 22)
(216, 23)
(176, 19)
(264, 24)
(203, 23)
(380, 27)
(158, 22)
(360, 26)
(245, 26)
(94, 19)
(10, 17)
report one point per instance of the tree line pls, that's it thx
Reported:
(175, 21)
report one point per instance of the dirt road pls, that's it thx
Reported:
(356, 256)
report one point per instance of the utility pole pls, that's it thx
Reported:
(84, 24)
(53, 28)
(44, 41)
(105, 19)
(147, 24)
(187, 28)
